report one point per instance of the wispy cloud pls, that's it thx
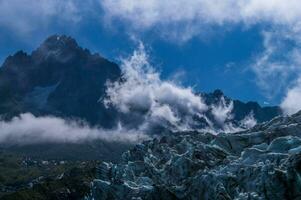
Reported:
(149, 102)
(183, 18)
(249, 121)
(23, 17)
(180, 21)
(279, 63)
(143, 94)
(292, 101)
(28, 129)
(190, 17)
(222, 111)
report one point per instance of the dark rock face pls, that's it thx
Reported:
(59, 78)
(261, 163)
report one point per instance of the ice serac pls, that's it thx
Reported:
(59, 78)
(261, 163)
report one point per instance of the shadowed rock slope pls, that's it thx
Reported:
(261, 163)
(59, 78)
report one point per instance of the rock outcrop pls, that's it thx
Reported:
(59, 78)
(261, 163)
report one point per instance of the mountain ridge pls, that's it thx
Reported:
(61, 78)
(242, 109)
(78, 75)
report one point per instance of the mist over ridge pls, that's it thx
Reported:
(88, 97)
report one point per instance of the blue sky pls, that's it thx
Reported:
(249, 50)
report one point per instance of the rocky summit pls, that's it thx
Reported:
(59, 78)
(261, 163)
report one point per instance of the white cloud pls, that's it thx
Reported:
(176, 20)
(222, 111)
(278, 69)
(249, 121)
(190, 17)
(28, 129)
(223, 118)
(150, 102)
(142, 92)
(292, 101)
(279, 61)
(272, 11)
(27, 16)
(179, 19)
(182, 20)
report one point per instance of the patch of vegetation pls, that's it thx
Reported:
(23, 178)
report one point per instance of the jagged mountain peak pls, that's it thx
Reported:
(59, 42)
(214, 97)
(56, 48)
(76, 77)
(218, 93)
(60, 48)
(18, 58)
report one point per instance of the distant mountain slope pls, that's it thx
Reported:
(59, 78)
(62, 79)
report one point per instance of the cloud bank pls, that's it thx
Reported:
(143, 94)
(28, 129)
(190, 17)
(182, 18)
(222, 111)
(148, 102)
